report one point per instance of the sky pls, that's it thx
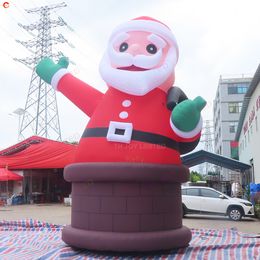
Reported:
(214, 37)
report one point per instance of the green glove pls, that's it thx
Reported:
(46, 68)
(186, 115)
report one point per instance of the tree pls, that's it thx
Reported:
(195, 176)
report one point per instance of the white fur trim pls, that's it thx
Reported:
(158, 41)
(137, 83)
(147, 26)
(120, 38)
(189, 134)
(57, 76)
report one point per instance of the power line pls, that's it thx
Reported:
(77, 51)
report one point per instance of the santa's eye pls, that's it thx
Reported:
(123, 47)
(151, 48)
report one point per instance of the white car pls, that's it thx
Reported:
(204, 200)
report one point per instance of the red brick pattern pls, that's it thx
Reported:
(126, 207)
(126, 223)
(140, 205)
(100, 222)
(113, 205)
(80, 220)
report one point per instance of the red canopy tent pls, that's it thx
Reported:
(6, 175)
(37, 153)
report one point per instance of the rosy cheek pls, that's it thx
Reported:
(163, 57)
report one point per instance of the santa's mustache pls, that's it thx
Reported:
(121, 59)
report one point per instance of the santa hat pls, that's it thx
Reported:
(148, 24)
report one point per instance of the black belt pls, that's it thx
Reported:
(137, 136)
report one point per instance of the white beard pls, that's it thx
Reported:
(137, 83)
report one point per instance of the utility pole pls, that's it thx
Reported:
(41, 116)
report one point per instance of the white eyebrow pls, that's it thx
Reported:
(158, 41)
(118, 39)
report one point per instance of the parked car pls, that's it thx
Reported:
(204, 200)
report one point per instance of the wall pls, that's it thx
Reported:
(18, 185)
(249, 140)
(222, 117)
(228, 117)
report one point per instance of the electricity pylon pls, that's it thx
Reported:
(208, 138)
(41, 116)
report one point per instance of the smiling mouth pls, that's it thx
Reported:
(132, 68)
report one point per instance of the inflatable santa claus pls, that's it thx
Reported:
(127, 175)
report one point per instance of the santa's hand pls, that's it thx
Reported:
(46, 68)
(186, 115)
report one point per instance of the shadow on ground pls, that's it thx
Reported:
(219, 218)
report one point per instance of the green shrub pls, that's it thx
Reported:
(257, 210)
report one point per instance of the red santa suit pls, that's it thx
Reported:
(125, 128)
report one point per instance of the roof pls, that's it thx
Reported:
(254, 83)
(6, 175)
(202, 156)
(37, 153)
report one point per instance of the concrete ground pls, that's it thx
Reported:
(52, 213)
(60, 214)
(246, 225)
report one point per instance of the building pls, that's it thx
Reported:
(248, 131)
(226, 111)
(40, 162)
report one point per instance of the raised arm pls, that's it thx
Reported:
(80, 93)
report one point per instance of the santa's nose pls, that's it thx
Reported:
(134, 49)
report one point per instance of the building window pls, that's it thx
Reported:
(233, 127)
(234, 107)
(234, 150)
(240, 104)
(232, 90)
(239, 88)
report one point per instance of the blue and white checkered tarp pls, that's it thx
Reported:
(31, 239)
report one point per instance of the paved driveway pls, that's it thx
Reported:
(60, 214)
(52, 213)
(246, 225)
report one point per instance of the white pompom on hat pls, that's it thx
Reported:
(147, 24)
